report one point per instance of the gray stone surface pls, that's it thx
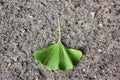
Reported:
(92, 26)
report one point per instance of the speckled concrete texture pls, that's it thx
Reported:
(92, 26)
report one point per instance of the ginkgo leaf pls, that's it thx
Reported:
(57, 56)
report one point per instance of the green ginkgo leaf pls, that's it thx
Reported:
(57, 56)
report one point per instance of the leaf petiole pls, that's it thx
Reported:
(59, 40)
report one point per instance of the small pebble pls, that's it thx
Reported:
(84, 70)
(36, 79)
(9, 64)
(15, 58)
(100, 24)
(92, 14)
(31, 17)
(99, 50)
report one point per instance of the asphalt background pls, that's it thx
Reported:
(92, 26)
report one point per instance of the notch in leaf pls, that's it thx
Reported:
(57, 56)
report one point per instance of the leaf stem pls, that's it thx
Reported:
(59, 40)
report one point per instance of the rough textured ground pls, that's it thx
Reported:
(92, 26)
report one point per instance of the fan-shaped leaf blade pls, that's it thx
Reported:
(58, 56)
